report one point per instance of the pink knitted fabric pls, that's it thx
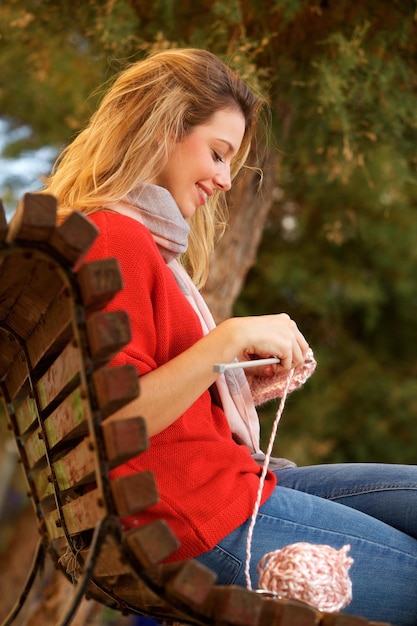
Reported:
(264, 389)
(315, 574)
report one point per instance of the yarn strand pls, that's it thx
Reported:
(262, 479)
(315, 574)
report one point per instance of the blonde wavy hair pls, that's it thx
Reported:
(151, 104)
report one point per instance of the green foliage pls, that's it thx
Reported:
(347, 275)
(338, 251)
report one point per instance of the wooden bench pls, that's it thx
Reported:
(58, 390)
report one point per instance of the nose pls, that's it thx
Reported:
(223, 179)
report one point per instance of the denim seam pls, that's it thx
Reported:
(235, 563)
(368, 489)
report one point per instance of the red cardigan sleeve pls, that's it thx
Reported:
(150, 294)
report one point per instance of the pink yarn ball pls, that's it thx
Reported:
(315, 574)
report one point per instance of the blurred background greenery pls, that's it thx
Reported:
(339, 250)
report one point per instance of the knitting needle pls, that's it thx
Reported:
(222, 367)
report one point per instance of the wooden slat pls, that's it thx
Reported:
(9, 348)
(69, 419)
(130, 589)
(288, 613)
(85, 511)
(55, 324)
(34, 218)
(80, 514)
(295, 613)
(42, 483)
(340, 619)
(107, 334)
(271, 613)
(188, 582)
(110, 562)
(115, 387)
(42, 283)
(237, 606)
(99, 281)
(17, 374)
(15, 272)
(35, 448)
(134, 493)
(79, 464)
(73, 238)
(26, 414)
(151, 544)
(124, 439)
(63, 371)
(192, 583)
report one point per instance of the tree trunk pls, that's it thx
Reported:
(249, 204)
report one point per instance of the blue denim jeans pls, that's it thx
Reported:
(372, 507)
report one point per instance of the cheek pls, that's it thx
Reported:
(194, 151)
(193, 160)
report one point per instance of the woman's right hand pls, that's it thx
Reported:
(263, 337)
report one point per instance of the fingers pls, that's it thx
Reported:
(286, 339)
(279, 336)
(294, 348)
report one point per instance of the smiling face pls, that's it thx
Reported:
(200, 163)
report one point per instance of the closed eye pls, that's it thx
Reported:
(217, 157)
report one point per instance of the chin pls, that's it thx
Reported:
(188, 211)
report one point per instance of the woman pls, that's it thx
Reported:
(151, 170)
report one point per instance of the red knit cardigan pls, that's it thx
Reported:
(207, 482)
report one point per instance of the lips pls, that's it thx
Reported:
(203, 193)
